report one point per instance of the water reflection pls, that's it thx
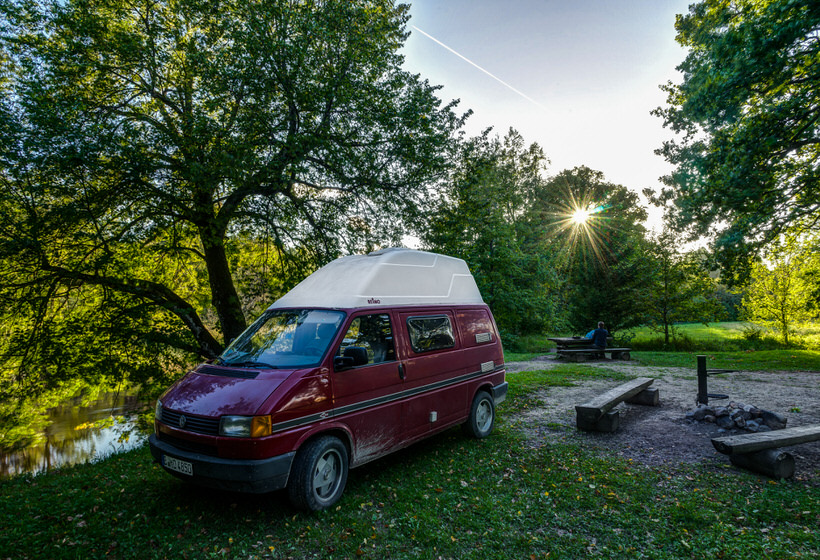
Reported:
(79, 434)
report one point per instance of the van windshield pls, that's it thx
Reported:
(284, 338)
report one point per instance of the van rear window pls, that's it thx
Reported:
(429, 333)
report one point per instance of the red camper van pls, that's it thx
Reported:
(368, 355)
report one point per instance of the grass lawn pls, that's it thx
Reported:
(722, 343)
(448, 497)
(731, 336)
(762, 360)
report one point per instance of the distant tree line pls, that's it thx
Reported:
(557, 254)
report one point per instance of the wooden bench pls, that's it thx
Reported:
(597, 415)
(760, 452)
(582, 354)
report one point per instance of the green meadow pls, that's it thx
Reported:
(727, 345)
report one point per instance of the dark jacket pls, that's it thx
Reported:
(599, 337)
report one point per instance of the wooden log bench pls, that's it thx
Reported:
(583, 354)
(597, 415)
(760, 452)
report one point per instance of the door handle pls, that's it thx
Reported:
(401, 371)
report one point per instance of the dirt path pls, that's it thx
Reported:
(661, 436)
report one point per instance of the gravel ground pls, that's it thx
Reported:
(661, 436)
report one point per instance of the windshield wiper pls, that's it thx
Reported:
(249, 364)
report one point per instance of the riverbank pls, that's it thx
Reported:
(77, 430)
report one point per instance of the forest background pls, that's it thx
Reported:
(169, 169)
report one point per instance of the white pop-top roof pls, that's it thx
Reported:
(392, 276)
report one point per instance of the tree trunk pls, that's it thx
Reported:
(223, 292)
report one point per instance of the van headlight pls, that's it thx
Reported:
(158, 411)
(245, 426)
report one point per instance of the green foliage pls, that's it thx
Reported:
(746, 114)
(730, 299)
(485, 216)
(679, 288)
(165, 163)
(604, 260)
(781, 294)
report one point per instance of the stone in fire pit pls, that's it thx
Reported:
(738, 416)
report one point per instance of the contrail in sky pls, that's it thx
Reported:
(467, 60)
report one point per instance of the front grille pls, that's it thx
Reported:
(240, 373)
(186, 445)
(196, 424)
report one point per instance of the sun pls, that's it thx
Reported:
(580, 216)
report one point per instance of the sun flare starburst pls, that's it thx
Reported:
(581, 223)
(580, 216)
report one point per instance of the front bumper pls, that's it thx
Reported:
(254, 476)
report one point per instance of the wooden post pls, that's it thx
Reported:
(703, 392)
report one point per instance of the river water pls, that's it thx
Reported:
(80, 434)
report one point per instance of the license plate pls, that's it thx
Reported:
(173, 464)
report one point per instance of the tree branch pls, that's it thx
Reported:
(159, 294)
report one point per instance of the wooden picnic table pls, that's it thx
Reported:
(567, 342)
(578, 348)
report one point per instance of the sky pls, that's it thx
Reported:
(577, 77)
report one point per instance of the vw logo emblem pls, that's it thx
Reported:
(181, 421)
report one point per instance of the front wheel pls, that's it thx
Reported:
(319, 474)
(482, 416)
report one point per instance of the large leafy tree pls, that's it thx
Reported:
(486, 216)
(146, 143)
(747, 115)
(599, 227)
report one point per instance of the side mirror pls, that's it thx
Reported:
(343, 362)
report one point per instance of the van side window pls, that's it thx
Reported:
(370, 336)
(430, 333)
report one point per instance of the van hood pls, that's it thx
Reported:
(215, 391)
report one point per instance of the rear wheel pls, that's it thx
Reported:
(319, 474)
(482, 416)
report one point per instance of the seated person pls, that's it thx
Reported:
(599, 336)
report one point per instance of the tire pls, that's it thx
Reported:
(482, 416)
(319, 474)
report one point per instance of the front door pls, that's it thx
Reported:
(367, 390)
